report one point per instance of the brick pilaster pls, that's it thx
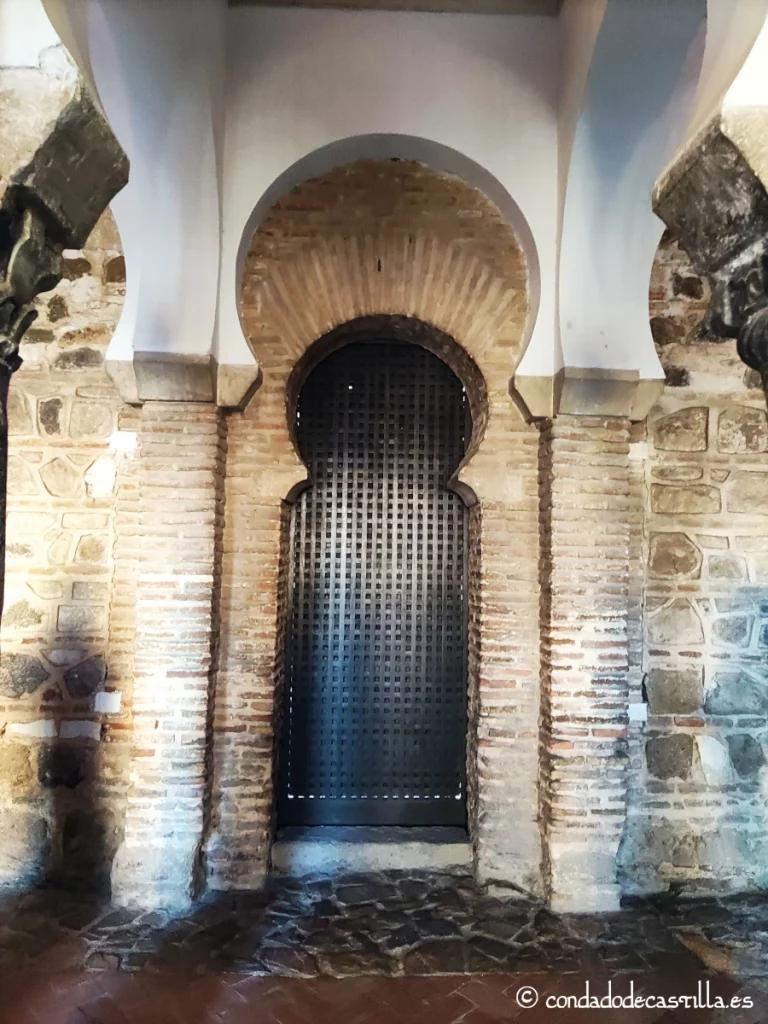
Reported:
(586, 529)
(261, 469)
(180, 465)
(504, 666)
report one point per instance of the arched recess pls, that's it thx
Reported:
(442, 160)
(374, 239)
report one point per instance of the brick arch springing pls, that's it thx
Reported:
(375, 239)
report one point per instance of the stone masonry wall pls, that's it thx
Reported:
(697, 813)
(62, 734)
(59, 792)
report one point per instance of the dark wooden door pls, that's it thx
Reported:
(375, 703)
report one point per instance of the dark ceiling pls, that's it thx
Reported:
(542, 7)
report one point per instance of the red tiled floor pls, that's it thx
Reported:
(168, 998)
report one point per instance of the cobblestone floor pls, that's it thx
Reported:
(369, 950)
(388, 924)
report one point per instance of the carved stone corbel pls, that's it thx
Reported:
(716, 207)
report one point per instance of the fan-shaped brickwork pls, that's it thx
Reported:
(385, 237)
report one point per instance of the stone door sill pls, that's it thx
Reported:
(327, 849)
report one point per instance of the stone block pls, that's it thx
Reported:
(676, 692)
(670, 757)
(742, 430)
(80, 618)
(57, 309)
(64, 657)
(748, 492)
(16, 770)
(49, 416)
(695, 500)
(677, 623)
(715, 761)
(92, 549)
(60, 478)
(36, 523)
(737, 693)
(667, 331)
(19, 416)
(20, 674)
(683, 431)
(82, 358)
(674, 555)
(60, 549)
(677, 473)
(84, 520)
(583, 876)
(90, 420)
(732, 631)
(90, 590)
(746, 754)
(74, 267)
(20, 479)
(84, 679)
(727, 567)
(23, 615)
(157, 875)
(113, 271)
(80, 729)
(48, 590)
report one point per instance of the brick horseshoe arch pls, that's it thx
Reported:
(396, 240)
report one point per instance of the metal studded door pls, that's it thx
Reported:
(375, 711)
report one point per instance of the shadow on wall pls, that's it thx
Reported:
(53, 828)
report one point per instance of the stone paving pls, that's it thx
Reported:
(389, 924)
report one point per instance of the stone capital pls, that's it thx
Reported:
(172, 377)
(714, 201)
(589, 391)
(51, 204)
